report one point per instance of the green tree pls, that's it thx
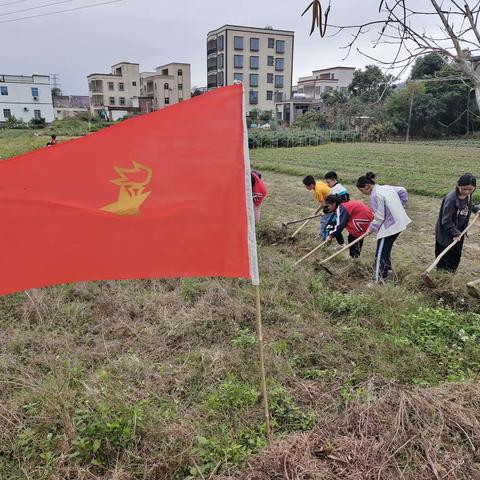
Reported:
(371, 84)
(427, 66)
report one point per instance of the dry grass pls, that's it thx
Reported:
(385, 432)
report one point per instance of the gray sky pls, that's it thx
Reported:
(155, 32)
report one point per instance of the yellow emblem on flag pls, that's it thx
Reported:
(132, 189)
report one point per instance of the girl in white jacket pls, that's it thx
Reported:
(388, 205)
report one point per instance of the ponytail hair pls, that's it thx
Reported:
(367, 179)
(334, 199)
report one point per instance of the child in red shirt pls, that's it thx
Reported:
(259, 191)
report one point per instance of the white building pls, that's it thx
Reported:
(324, 80)
(117, 92)
(308, 94)
(168, 85)
(26, 97)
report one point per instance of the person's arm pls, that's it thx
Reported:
(379, 215)
(447, 212)
(475, 208)
(403, 195)
(342, 220)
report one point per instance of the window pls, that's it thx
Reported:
(121, 87)
(253, 97)
(270, 60)
(180, 73)
(238, 76)
(280, 46)
(134, 84)
(220, 43)
(344, 90)
(278, 81)
(165, 71)
(238, 61)
(269, 77)
(254, 80)
(220, 61)
(271, 43)
(221, 82)
(279, 64)
(254, 63)
(278, 96)
(4, 90)
(166, 86)
(328, 89)
(110, 86)
(180, 86)
(35, 92)
(269, 95)
(318, 91)
(212, 80)
(254, 44)
(37, 114)
(7, 113)
(211, 47)
(211, 64)
(122, 100)
(167, 101)
(112, 100)
(238, 43)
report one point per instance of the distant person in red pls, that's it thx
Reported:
(53, 140)
(259, 193)
(354, 216)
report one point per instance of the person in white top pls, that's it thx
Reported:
(388, 205)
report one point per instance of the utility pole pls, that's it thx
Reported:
(407, 139)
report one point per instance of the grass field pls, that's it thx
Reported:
(424, 168)
(159, 379)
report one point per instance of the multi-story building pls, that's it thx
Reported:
(262, 58)
(26, 97)
(117, 92)
(168, 85)
(309, 91)
(324, 80)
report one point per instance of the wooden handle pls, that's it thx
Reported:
(344, 249)
(306, 222)
(437, 260)
(318, 247)
(303, 220)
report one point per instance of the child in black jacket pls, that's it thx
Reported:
(453, 218)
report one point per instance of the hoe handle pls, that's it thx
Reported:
(318, 247)
(437, 260)
(305, 223)
(346, 247)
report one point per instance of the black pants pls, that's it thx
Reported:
(383, 257)
(451, 260)
(355, 250)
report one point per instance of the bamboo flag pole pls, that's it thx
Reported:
(262, 364)
(294, 234)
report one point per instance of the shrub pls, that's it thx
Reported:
(311, 120)
(299, 138)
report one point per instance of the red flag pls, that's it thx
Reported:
(161, 195)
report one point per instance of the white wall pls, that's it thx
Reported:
(21, 103)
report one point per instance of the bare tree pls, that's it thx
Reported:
(398, 23)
